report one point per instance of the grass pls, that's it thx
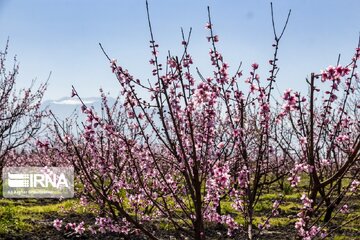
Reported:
(288, 210)
(29, 218)
(34, 217)
(22, 215)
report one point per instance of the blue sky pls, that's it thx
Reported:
(62, 36)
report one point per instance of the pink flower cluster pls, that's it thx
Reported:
(345, 209)
(306, 201)
(217, 184)
(290, 103)
(77, 228)
(354, 185)
(334, 73)
(205, 94)
(301, 225)
(296, 171)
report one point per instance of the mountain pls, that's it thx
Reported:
(70, 107)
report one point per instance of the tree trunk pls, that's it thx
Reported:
(331, 206)
(199, 222)
(250, 222)
(328, 213)
(250, 230)
(218, 208)
(199, 228)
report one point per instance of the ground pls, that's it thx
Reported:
(33, 218)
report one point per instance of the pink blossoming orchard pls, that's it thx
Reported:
(199, 153)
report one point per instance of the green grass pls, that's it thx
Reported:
(346, 237)
(30, 215)
(23, 215)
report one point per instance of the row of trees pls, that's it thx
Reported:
(202, 141)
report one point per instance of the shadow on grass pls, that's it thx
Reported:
(33, 219)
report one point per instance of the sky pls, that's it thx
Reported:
(62, 36)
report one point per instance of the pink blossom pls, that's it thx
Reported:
(57, 224)
(243, 180)
(221, 145)
(344, 209)
(354, 185)
(325, 162)
(300, 223)
(71, 226)
(303, 141)
(294, 180)
(80, 228)
(113, 66)
(342, 138)
(83, 201)
(323, 234)
(172, 63)
(275, 210)
(306, 201)
(92, 230)
(313, 232)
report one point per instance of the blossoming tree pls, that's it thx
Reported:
(20, 114)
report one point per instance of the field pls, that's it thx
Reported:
(197, 148)
(33, 219)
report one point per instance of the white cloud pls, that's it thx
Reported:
(72, 102)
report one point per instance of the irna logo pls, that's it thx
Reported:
(17, 180)
(38, 182)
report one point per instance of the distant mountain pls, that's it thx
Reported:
(69, 107)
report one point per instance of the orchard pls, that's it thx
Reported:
(186, 155)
